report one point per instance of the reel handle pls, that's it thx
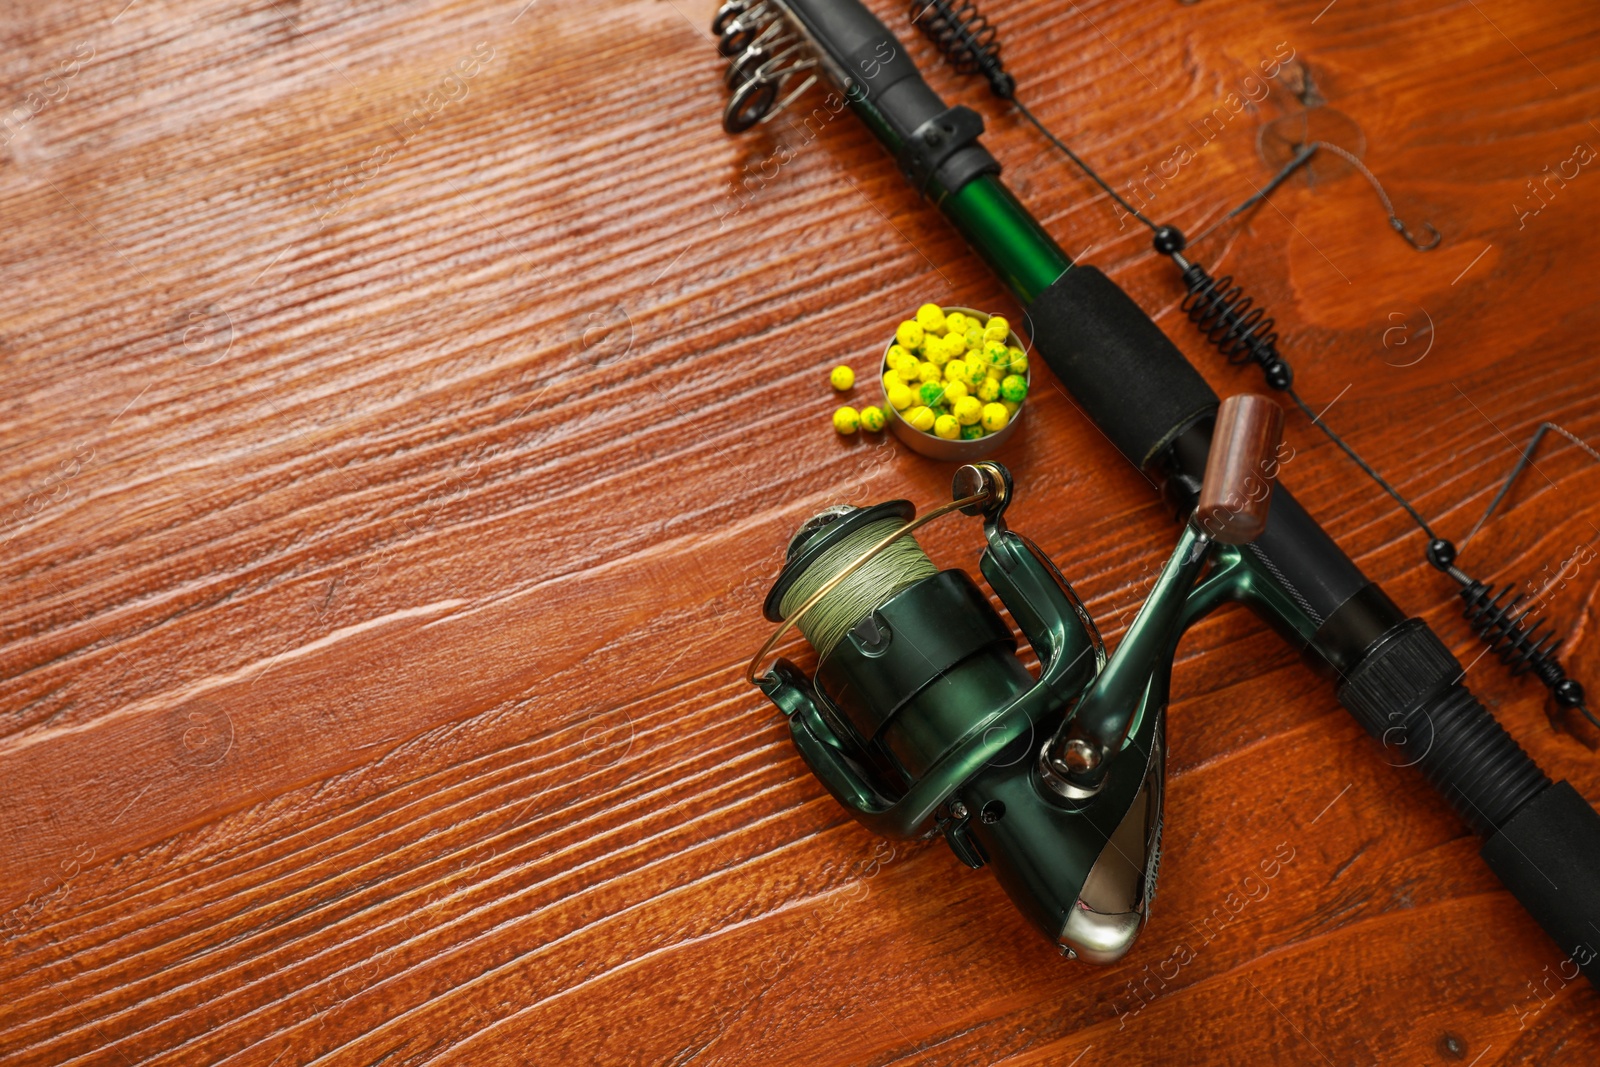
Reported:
(1232, 511)
(1240, 469)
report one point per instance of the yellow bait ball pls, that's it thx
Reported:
(937, 351)
(974, 337)
(842, 378)
(921, 418)
(947, 427)
(872, 419)
(955, 323)
(955, 370)
(929, 372)
(1014, 387)
(995, 417)
(998, 329)
(988, 390)
(907, 370)
(955, 391)
(996, 354)
(955, 344)
(1011, 406)
(930, 317)
(968, 410)
(931, 393)
(909, 334)
(846, 421)
(899, 396)
(1019, 360)
(896, 354)
(977, 374)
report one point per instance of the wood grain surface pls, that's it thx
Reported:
(406, 407)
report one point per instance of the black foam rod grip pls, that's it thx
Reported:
(1548, 855)
(1125, 372)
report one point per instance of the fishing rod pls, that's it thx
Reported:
(1390, 671)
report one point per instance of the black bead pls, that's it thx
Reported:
(1441, 553)
(1279, 375)
(1569, 693)
(1169, 239)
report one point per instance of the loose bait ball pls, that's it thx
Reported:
(872, 419)
(842, 378)
(846, 421)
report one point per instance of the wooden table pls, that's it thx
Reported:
(407, 407)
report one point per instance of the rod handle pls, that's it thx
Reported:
(1548, 855)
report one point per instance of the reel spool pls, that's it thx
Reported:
(921, 720)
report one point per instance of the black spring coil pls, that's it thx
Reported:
(1233, 322)
(1519, 646)
(967, 39)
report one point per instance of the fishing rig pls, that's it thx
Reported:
(1391, 672)
(1240, 328)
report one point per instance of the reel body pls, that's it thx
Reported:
(921, 720)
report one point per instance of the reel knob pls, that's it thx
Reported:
(1240, 469)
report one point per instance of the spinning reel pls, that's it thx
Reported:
(921, 720)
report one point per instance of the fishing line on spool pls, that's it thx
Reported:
(901, 563)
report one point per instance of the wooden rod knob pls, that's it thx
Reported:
(1240, 469)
